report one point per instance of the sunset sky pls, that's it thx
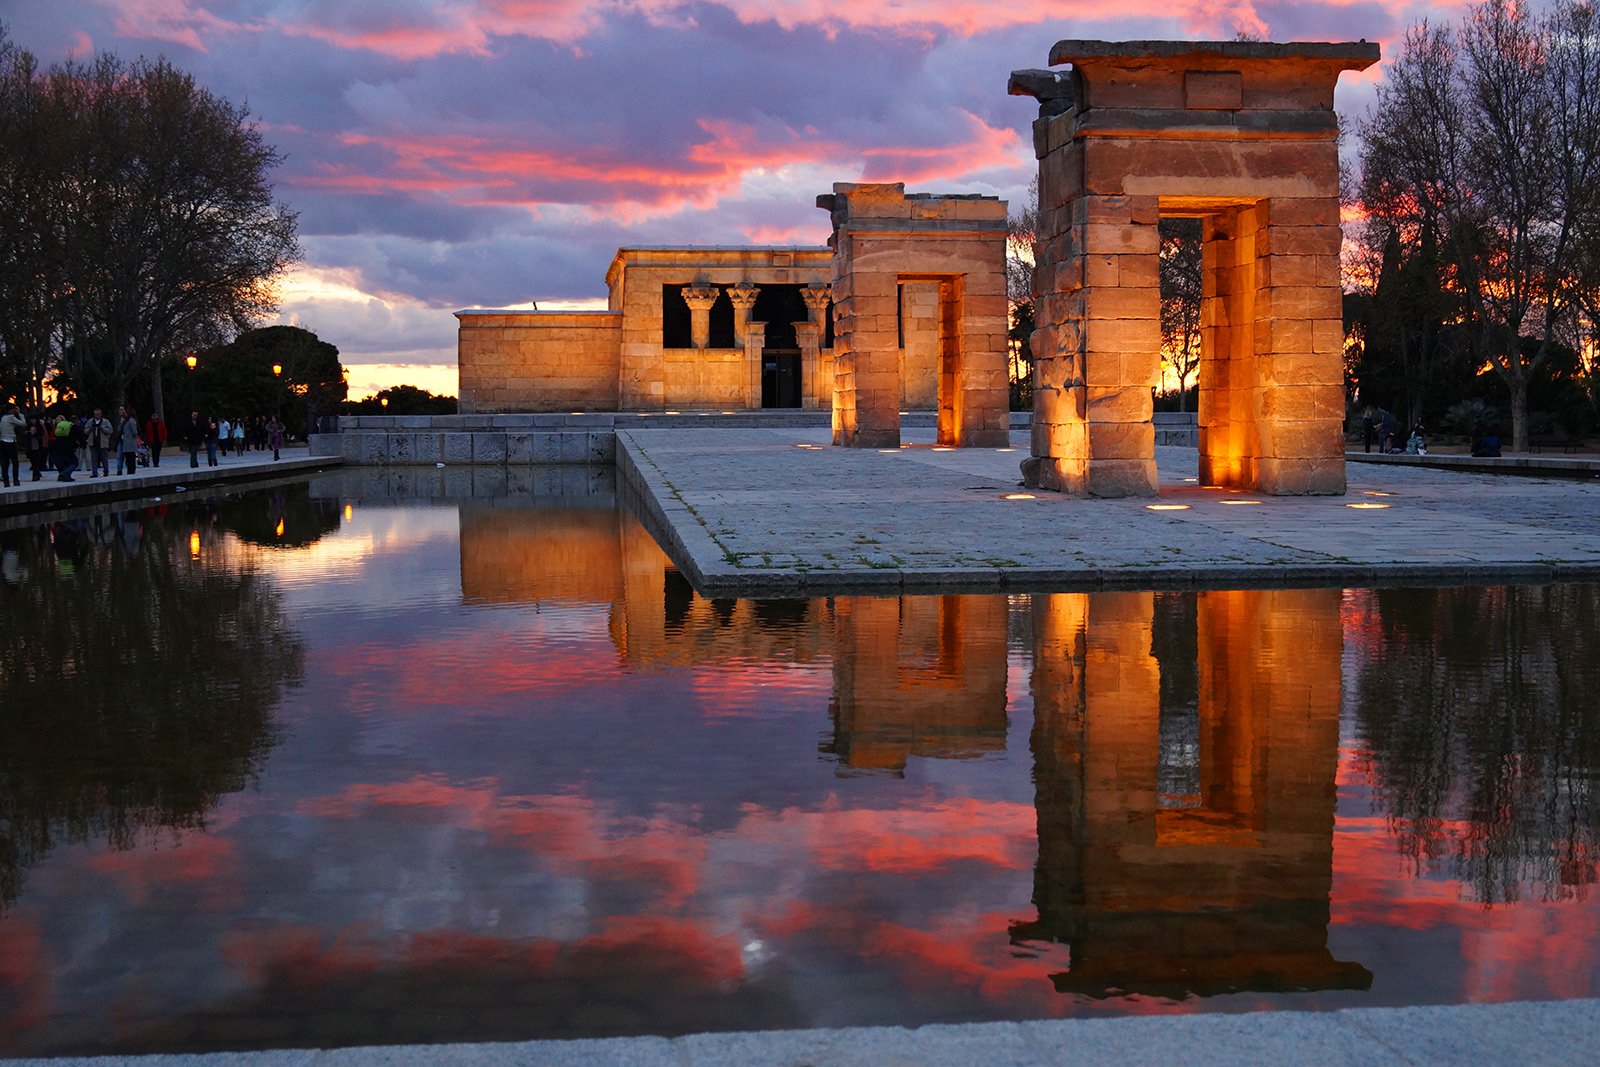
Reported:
(446, 154)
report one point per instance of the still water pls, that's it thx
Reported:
(306, 766)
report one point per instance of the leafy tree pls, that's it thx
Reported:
(237, 378)
(403, 400)
(136, 216)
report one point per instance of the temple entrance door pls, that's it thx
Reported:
(780, 377)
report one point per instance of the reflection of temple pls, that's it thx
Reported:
(1185, 745)
(917, 676)
(913, 676)
(1186, 838)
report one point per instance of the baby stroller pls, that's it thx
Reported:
(142, 453)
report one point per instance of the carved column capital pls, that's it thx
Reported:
(743, 297)
(816, 296)
(700, 298)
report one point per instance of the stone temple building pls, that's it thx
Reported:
(921, 285)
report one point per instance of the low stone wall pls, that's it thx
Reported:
(585, 438)
(1178, 428)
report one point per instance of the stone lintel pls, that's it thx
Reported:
(1206, 125)
(1345, 55)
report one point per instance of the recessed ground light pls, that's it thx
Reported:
(730, 412)
(1167, 507)
(1376, 492)
(1241, 501)
(943, 448)
(813, 448)
(1191, 479)
(674, 413)
(1005, 450)
(1367, 505)
(1021, 496)
(889, 451)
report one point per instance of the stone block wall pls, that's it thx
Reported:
(882, 238)
(538, 360)
(1242, 135)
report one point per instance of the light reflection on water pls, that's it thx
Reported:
(492, 770)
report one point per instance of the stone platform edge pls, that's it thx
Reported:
(1516, 1032)
(688, 541)
(586, 438)
(1548, 466)
(50, 495)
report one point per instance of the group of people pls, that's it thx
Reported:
(65, 444)
(1378, 428)
(220, 435)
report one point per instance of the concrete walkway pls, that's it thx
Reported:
(48, 494)
(1547, 1034)
(780, 512)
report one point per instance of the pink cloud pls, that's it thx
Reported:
(182, 22)
(481, 170)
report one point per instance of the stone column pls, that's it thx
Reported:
(743, 298)
(755, 339)
(816, 382)
(700, 298)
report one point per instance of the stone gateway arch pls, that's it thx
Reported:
(1242, 135)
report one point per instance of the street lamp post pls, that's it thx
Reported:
(191, 360)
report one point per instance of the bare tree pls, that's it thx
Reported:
(1181, 280)
(29, 271)
(1485, 144)
(1022, 232)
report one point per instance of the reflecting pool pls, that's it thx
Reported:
(313, 765)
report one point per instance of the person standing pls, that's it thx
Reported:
(213, 433)
(275, 436)
(224, 430)
(155, 435)
(193, 436)
(101, 434)
(238, 437)
(38, 442)
(127, 442)
(13, 431)
(1369, 431)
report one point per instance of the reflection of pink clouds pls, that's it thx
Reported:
(469, 671)
(206, 861)
(747, 692)
(906, 840)
(574, 835)
(1512, 951)
(26, 988)
(959, 951)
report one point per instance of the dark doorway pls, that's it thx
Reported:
(780, 377)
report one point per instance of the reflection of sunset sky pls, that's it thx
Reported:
(467, 153)
(497, 784)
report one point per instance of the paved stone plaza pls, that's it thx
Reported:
(750, 512)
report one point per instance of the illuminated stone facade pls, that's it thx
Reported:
(1243, 135)
(693, 328)
(949, 252)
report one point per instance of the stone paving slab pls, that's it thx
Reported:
(753, 512)
(1546, 1033)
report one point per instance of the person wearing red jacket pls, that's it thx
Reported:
(155, 435)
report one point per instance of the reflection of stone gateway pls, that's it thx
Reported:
(1223, 891)
(1241, 134)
